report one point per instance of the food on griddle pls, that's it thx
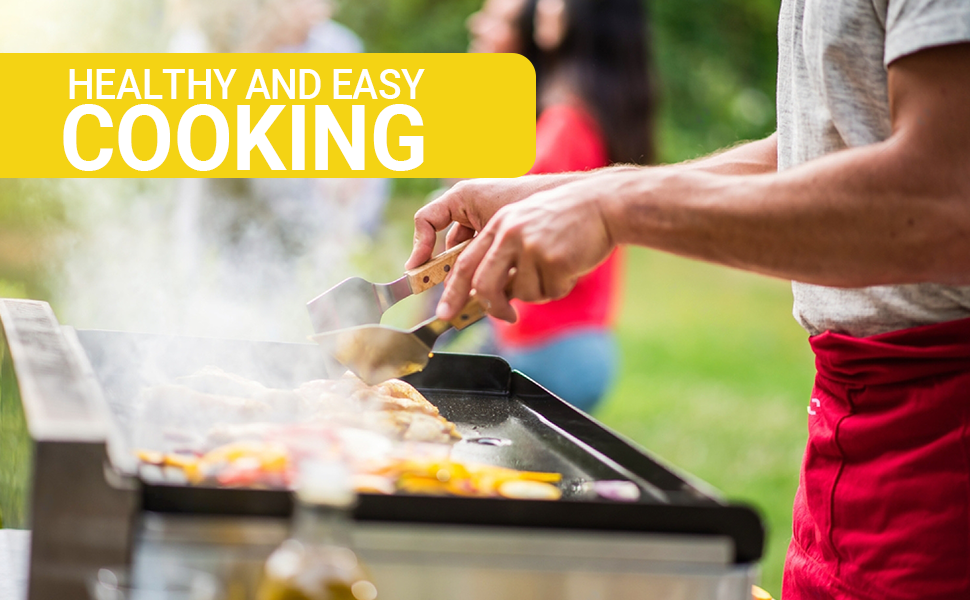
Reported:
(412, 427)
(439, 477)
(273, 464)
(350, 393)
(216, 428)
(395, 424)
(213, 380)
(616, 490)
(211, 403)
(524, 489)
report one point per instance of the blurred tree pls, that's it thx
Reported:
(716, 60)
(409, 25)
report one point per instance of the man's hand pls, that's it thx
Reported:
(548, 239)
(470, 205)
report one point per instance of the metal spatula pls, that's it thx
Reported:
(376, 353)
(355, 301)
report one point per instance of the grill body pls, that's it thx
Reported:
(67, 473)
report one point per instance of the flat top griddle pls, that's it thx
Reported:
(483, 397)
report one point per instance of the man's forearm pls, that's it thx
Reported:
(881, 214)
(473, 203)
(749, 158)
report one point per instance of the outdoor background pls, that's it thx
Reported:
(716, 374)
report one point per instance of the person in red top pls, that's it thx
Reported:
(595, 108)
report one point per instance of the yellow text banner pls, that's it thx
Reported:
(266, 115)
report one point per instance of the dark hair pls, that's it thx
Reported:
(605, 53)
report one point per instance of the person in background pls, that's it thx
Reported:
(595, 107)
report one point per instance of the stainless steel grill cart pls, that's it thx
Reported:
(66, 472)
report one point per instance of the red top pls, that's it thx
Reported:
(567, 139)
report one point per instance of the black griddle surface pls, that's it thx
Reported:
(485, 398)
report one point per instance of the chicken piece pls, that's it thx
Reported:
(175, 417)
(402, 389)
(287, 405)
(417, 427)
(330, 395)
(213, 380)
(349, 393)
(395, 395)
(425, 428)
(397, 424)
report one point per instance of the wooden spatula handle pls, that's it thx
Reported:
(435, 270)
(472, 312)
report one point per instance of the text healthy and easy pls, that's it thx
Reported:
(266, 115)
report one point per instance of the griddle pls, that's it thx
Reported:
(481, 394)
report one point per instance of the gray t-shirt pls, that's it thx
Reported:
(832, 95)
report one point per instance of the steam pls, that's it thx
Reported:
(215, 258)
(234, 259)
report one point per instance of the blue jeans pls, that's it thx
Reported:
(578, 367)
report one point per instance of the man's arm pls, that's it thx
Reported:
(893, 212)
(749, 158)
(472, 203)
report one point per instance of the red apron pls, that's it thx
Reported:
(883, 506)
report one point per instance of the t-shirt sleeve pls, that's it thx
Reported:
(914, 25)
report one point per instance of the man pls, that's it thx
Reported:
(862, 198)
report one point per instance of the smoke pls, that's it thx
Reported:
(232, 259)
(217, 258)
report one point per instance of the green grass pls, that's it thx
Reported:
(715, 379)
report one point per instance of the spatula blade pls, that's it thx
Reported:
(376, 353)
(351, 302)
